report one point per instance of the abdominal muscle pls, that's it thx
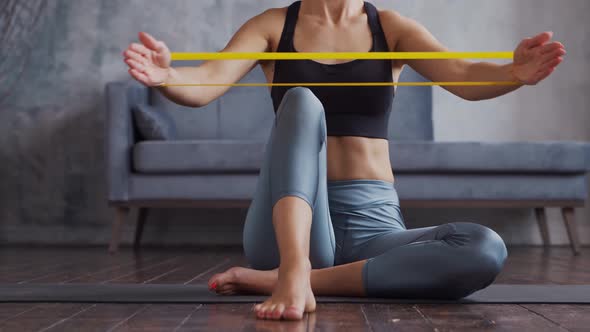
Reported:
(358, 158)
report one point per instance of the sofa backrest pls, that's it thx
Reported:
(247, 112)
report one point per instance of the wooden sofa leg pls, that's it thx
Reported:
(121, 214)
(542, 222)
(141, 218)
(569, 218)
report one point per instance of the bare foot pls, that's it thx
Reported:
(243, 280)
(292, 296)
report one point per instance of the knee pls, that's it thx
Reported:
(487, 247)
(480, 260)
(476, 243)
(300, 103)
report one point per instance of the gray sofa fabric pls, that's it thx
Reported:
(121, 135)
(222, 156)
(152, 124)
(426, 187)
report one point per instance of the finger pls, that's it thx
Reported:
(140, 49)
(135, 65)
(149, 41)
(547, 48)
(553, 63)
(555, 54)
(142, 78)
(135, 56)
(539, 39)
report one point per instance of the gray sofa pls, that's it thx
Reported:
(215, 162)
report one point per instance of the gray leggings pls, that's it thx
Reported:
(361, 219)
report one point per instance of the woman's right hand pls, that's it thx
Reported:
(149, 62)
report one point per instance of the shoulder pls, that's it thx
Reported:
(392, 20)
(270, 17)
(267, 25)
(399, 29)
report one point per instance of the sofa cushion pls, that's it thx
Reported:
(198, 156)
(508, 157)
(153, 124)
(431, 187)
(239, 156)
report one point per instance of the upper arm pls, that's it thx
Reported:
(407, 35)
(253, 36)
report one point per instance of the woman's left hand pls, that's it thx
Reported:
(536, 58)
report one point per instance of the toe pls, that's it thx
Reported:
(293, 313)
(269, 311)
(261, 312)
(223, 288)
(277, 313)
(227, 292)
(212, 281)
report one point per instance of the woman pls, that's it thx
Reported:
(325, 218)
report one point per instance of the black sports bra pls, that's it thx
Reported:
(350, 111)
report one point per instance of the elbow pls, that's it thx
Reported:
(472, 98)
(197, 104)
(194, 102)
(466, 93)
(470, 95)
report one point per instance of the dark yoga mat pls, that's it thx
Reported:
(154, 293)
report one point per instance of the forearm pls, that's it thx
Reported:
(485, 72)
(192, 96)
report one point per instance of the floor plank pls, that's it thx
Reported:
(44, 317)
(157, 318)
(570, 317)
(14, 310)
(193, 268)
(220, 317)
(91, 265)
(497, 317)
(100, 318)
(114, 272)
(53, 267)
(398, 317)
(341, 316)
(554, 265)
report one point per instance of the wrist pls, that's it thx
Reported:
(513, 76)
(169, 77)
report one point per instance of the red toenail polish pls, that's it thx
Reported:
(214, 285)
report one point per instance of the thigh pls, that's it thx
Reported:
(401, 238)
(449, 261)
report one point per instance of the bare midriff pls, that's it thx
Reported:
(358, 158)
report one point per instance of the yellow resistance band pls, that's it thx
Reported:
(344, 56)
(360, 84)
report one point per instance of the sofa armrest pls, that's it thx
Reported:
(120, 136)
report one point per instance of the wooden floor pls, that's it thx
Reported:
(94, 265)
